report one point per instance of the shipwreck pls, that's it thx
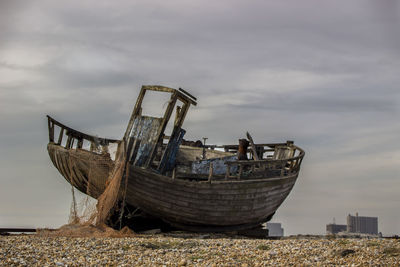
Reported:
(187, 184)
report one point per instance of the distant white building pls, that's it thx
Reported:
(274, 229)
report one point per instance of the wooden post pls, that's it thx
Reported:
(68, 144)
(228, 171)
(177, 115)
(253, 147)
(135, 112)
(204, 148)
(240, 171)
(264, 165)
(210, 173)
(60, 136)
(72, 142)
(80, 143)
(92, 146)
(51, 130)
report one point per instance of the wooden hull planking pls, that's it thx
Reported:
(193, 205)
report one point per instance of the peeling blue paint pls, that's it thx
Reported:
(144, 135)
(219, 166)
(169, 157)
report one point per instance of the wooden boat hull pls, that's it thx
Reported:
(191, 205)
(196, 189)
(215, 206)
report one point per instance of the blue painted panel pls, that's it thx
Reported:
(219, 166)
(167, 163)
(144, 137)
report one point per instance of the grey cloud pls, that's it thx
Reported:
(337, 97)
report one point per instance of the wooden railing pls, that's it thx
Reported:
(283, 166)
(74, 135)
(271, 166)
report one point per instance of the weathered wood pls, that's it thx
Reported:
(60, 136)
(51, 130)
(219, 164)
(159, 88)
(69, 140)
(187, 93)
(204, 156)
(182, 115)
(18, 230)
(192, 201)
(210, 174)
(228, 171)
(227, 205)
(177, 114)
(143, 139)
(168, 158)
(72, 143)
(78, 134)
(240, 171)
(253, 147)
(93, 146)
(137, 109)
(80, 143)
(164, 122)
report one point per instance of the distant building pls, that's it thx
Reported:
(274, 229)
(333, 228)
(355, 225)
(362, 224)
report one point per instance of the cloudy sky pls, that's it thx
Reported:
(322, 73)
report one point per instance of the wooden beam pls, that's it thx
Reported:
(60, 136)
(158, 88)
(240, 171)
(182, 115)
(69, 140)
(253, 147)
(228, 171)
(135, 112)
(186, 92)
(164, 122)
(50, 125)
(80, 143)
(78, 134)
(185, 97)
(210, 173)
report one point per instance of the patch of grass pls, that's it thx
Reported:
(392, 251)
(263, 247)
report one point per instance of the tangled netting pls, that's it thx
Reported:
(104, 175)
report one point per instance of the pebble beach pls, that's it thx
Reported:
(195, 250)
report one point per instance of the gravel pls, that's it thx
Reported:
(191, 249)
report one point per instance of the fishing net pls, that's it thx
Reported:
(108, 198)
(103, 180)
